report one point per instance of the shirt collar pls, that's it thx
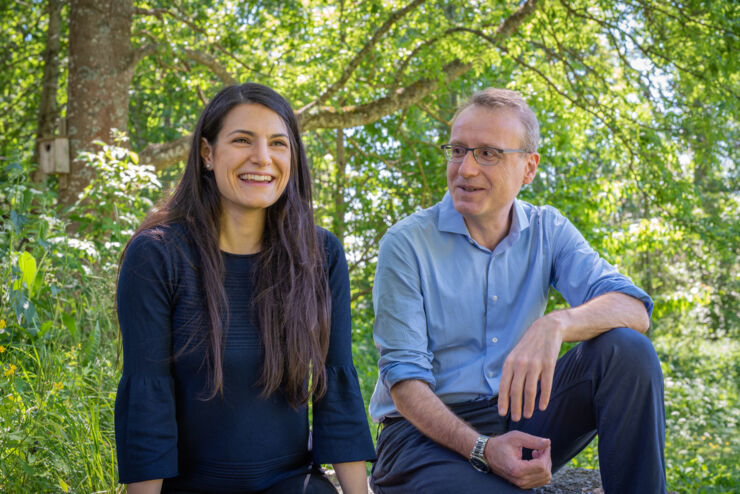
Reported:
(520, 220)
(451, 221)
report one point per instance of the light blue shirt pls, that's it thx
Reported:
(448, 311)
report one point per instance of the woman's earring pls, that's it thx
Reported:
(208, 166)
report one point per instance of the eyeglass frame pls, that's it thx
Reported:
(448, 148)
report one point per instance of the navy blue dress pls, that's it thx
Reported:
(241, 442)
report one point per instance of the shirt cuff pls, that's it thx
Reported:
(627, 288)
(395, 372)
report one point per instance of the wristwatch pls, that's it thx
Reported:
(478, 457)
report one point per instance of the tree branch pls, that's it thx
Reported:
(163, 155)
(389, 163)
(612, 126)
(140, 54)
(153, 12)
(210, 62)
(650, 52)
(353, 116)
(166, 154)
(355, 62)
(182, 16)
(425, 44)
(433, 115)
(369, 250)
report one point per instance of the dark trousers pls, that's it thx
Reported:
(611, 385)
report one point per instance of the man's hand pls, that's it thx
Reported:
(531, 361)
(504, 457)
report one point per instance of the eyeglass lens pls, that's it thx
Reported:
(483, 155)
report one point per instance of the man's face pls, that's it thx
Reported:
(485, 193)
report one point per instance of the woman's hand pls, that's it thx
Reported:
(352, 477)
(146, 487)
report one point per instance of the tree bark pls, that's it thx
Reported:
(48, 109)
(100, 69)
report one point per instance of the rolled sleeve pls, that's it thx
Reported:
(341, 432)
(400, 320)
(580, 274)
(145, 418)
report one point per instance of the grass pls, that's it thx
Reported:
(56, 417)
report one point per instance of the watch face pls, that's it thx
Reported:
(479, 465)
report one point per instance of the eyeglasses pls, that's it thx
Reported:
(484, 155)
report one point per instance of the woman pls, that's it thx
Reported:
(234, 312)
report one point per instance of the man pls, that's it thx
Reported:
(471, 394)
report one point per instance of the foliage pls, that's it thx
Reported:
(58, 352)
(21, 68)
(109, 209)
(630, 150)
(638, 102)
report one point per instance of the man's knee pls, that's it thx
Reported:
(627, 351)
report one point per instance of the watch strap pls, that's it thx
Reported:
(477, 456)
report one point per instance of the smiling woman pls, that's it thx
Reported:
(234, 313)
(250, 160)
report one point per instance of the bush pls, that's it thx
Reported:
(58, 352)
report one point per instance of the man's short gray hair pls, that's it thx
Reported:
(497, 99)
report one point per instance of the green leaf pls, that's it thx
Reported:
(45, 327)
(18, 220)
(27, 265)
(69, 322)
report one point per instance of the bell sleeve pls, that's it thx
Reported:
(145, 423)
(341, 431)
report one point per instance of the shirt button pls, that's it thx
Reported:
(494, 339)
(494, 298)
(490, 373)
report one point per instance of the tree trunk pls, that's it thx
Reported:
(48, 109)
(100, 68)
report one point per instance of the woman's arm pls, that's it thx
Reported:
(145, 415)
(352, 477)
(146, 487)
(341, 435)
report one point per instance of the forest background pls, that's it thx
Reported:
(638, 102)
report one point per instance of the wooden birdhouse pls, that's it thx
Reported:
(54, 152)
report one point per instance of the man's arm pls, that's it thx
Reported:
(533, 359)
(420, 406)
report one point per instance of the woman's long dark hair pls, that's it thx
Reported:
(292, 294)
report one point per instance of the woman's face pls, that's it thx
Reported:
(250, 158)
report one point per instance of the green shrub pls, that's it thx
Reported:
(58, 335)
